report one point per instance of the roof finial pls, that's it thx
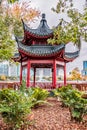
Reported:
(43, 16)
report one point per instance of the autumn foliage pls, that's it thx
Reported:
(75, 74)
(21, 10)
(11, 24)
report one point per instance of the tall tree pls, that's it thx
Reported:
(10, 24)
(73, 27)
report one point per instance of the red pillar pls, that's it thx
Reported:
(21, 68)
(54, 74)
(28, 73)
(34, 76)
(33, 42)
(64, 74)
(52, 77)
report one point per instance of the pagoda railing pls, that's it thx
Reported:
(9, 84)
(80, 86)
(46, 85)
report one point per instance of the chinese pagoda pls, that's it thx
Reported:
(35, 52)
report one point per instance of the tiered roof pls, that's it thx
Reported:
(36, 50)
(42, 31)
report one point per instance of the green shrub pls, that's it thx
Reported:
(38, 95)
(23, 87)
(72, 98)
(14, 107)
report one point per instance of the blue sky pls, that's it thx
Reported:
(52, 19)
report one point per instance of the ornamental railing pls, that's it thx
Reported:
(9, 84)
(45, 85)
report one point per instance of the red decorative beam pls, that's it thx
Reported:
(41, 61)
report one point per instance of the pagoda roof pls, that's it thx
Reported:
(72, 55)
(40, 50)
(69, 56)
(41, 31)
(44, 51)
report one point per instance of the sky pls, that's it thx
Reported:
(52, 19)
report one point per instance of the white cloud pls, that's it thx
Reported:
(45, 7)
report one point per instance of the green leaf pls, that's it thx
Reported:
(76, 114)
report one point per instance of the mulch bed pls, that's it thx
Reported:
(52, 117)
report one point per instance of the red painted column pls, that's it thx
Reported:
(54, 74)
(34, 76)
(33, 42)
(21, 68)
(64, 74)
(52, 77)
(28, 73)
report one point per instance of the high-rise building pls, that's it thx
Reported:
(8, 69)
(84, 71)
(3, 69)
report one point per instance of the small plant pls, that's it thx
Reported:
(72, 98)
(23, 87)
(38, 95)
(14, 107)
(78, 108)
